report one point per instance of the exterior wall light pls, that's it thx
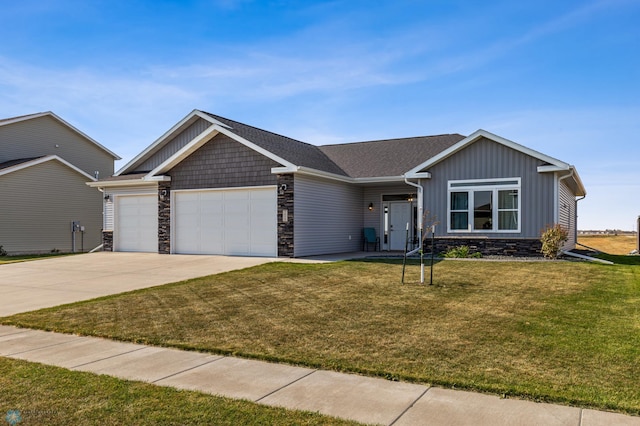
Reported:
(370, 207)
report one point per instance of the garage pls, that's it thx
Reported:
(237, 222)
(137, 223)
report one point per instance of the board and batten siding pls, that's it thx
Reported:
(45, 135)
(567, 213)
(38, 204)
(485, 159)
(109, 205)
(172, 146)
(327, 216)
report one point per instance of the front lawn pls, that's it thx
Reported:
(27, 257)
(36, 394)
(565, 332)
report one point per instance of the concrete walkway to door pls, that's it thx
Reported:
(27, 286)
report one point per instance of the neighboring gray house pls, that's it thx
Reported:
(216, 186)
(44, 165)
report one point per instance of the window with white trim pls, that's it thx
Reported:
(484, 205)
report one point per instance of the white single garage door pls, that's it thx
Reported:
(241, 222)
(136, 223)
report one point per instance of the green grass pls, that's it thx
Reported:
(564, 332)
(28, 257)
(56, 396)
(619, 259)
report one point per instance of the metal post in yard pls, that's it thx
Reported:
(404, 258)
(433, 249)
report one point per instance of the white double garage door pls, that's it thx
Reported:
(241, 222)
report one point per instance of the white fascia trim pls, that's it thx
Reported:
(314, 172)
(549, 168)
(340, 178)
(419, 175)
(51, 114)
(484, 134)
(160, 178)
(255, 147)
(210, 119)
(44, 160)
(185, 151)
(122, 183)
(380, 179)
(168, 134)
(578, 180)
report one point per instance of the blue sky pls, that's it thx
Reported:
(561, 77)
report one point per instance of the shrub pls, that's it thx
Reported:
(3, 252)
(461, 252)
(552, 240)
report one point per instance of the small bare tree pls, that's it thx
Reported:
(429, 223)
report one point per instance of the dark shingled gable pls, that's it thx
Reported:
(294, 151)
(379, 158)
(390, 157)
(12, 163)
(382, 158)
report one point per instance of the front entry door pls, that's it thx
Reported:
(399, 216)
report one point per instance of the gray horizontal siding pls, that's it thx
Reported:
(485, 159)
(567, 213)
(223, 163)
(172, 146)
(373, 194)
(47, 136)
(326, 214)
(38, 204)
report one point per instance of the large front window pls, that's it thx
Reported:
(484, 205)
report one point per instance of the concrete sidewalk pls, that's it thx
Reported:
(364, 399)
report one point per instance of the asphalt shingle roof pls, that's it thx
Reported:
(292, 150)
(390, 157)
(381, 158)
(15, 162)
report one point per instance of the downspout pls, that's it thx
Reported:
(576, 218)
(420, 208)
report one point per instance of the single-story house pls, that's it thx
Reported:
(211, 185)
(45, 204)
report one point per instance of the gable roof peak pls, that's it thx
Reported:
(225, 122)
(12, 120)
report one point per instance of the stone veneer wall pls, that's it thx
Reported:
(164, 218)
(489, 246)
(285, 229)
(107, 240)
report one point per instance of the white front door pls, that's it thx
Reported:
(399, 217)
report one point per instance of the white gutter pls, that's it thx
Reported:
(420, 204)
(576, 218)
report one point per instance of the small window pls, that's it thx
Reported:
(459, 210)
(484, 205)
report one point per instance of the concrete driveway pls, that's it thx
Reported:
(27, 286)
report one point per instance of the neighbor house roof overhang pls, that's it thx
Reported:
(8, 121)
(21, 164)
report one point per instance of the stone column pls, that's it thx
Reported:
(164, 217)
(107, 240)
(285, 215)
